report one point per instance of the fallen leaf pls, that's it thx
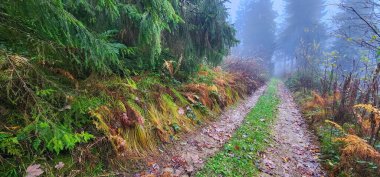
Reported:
(178, 161)
(34, 170)
(269, 164)
(189, 168)
(181, 111)
(285, 159)
(59, 166)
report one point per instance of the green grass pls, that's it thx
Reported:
(239, 156)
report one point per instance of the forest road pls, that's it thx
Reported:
(294, 150)
(187, 156)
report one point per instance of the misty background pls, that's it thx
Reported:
(290, 34)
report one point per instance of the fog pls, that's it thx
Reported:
(293, 34)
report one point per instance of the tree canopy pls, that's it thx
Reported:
(116, 36)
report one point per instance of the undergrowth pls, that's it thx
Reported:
(53, 118)
(239, 155)
(345, 147)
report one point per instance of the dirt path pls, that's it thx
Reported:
(189, 155)
(293, 152)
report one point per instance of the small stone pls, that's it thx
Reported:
(179, 171)
(168, 170)
(190, 168)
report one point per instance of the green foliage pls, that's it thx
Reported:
(176, 127)
(239, 155)
(45, 92)
(9, 144)
(52, 137)
(202, 108)
(190, 113)
(180, 97)
(197, 44)
(49, 33)
(329, 148)
(149, 82)
(203, 77)
(42, 136)
(80, 107)
(110, 36)
(59, 139)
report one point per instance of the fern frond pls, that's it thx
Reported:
(334, 124)
(355, 146)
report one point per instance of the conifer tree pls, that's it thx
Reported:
(256, 29)
(302, 27)
(114, 36)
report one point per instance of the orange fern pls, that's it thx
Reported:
(365, 113)
(355, 146)
(318, 99)
(334, 124)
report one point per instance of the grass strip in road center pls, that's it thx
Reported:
(239, 155)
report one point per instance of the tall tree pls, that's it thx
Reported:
(256, 29)
(302, 29)
(206, 36)
(353, 36)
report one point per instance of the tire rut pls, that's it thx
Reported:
(294, 151)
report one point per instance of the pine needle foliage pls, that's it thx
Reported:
(110, 36)
(205, 36)
(50, 33)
